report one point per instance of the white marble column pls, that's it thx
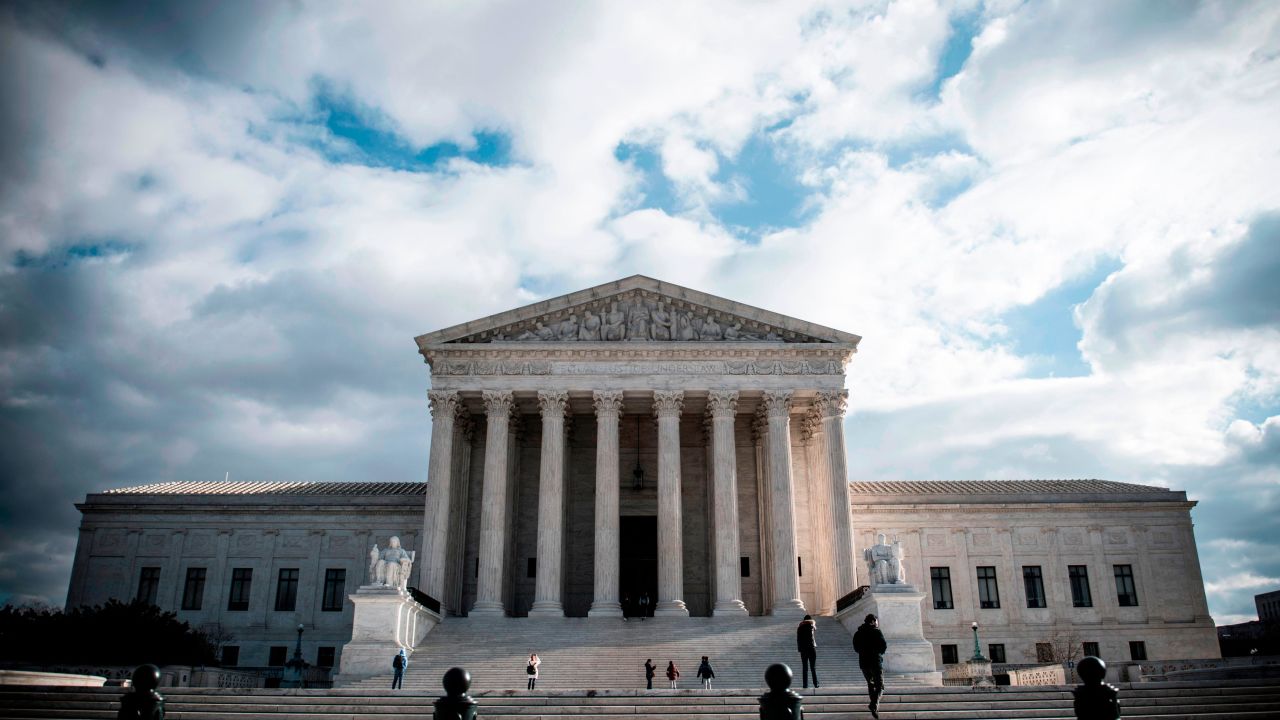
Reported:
(723, 404)
(436, 517)
(667, 406)
(546, 598)
(786, 577)
(493, 507)
(605, 603)
(831, 405)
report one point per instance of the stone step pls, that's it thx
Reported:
(1166, 701)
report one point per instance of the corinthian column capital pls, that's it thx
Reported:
(552, 403)
(498, 402)
(607, 402)
(832, 403)
(668, 403)
(777, 404)
(722, 403)
(444, 403)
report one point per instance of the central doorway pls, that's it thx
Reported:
(638, 561)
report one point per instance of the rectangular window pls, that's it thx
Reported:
(950, 654)
(335, 587)
(800, 567)
(988, 590)
(995, 652)
(477, 566)
(532, 570)
(1137, 650)
(193, 591)
(230, 655)
(324, 657)
(1126, 591)
(241, 581)
(744, 566)
(1033, 581)
(277, 655)
(1091, 649)
(1080, 596)
(149, 585)
(287, 590)
(940, 579)
(1044, 653)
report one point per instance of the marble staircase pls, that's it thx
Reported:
(602, 653)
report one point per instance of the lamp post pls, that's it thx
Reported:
(293, 669)
(977, 649)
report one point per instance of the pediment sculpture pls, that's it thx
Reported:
(640, 317)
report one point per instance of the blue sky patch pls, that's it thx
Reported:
(367, 140)
(656, 190)
(1046, 331)
(774, 196)
(63, 257)
(964, 28)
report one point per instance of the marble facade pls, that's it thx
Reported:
(734, 418)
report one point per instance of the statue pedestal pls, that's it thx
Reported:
(910, 656)
(386, 619)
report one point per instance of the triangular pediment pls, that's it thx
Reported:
(637, 308)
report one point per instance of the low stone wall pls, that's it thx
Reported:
(1207, 668)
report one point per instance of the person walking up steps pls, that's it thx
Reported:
(672, 673)
(649, 671)
(870, 646)
(807, 644)
(532, 669)
(398, 664)
(706, 673)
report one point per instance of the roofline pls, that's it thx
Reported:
(634, 282)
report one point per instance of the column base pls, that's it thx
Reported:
(488, 608)
(671, 608)
(546, 608)
(729, 608)
(788, 609)
(605, 608)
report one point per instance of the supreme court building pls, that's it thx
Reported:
(642, 438)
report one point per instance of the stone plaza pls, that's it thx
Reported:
(641, 439)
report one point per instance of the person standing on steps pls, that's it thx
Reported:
(869, 643)
(672, 673)
(706, 673)
(649, 671)
(807, 644)
(532, 669)
(626, 606)
(398, 664)
(644, 605)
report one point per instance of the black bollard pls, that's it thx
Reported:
(1095, 700)
(780, 703)
(143, 702)
(456, 704)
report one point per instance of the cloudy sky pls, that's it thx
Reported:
(1056, 225)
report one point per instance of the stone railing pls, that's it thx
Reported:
(1190, 669)
(1037, 675)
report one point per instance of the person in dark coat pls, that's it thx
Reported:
(649, 671)
(705, 673)
(807, 644)
(869, 643)
(398, 664)
(143, 702)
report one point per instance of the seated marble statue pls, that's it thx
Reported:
(392, 565)
(884, 563)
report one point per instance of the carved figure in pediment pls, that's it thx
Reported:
(569, 328)
(661, 323)
(685, 328)
(733, 332)
(711, 330)
(542, 332)
(590, 328)
(639, 325)
(615, 324)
